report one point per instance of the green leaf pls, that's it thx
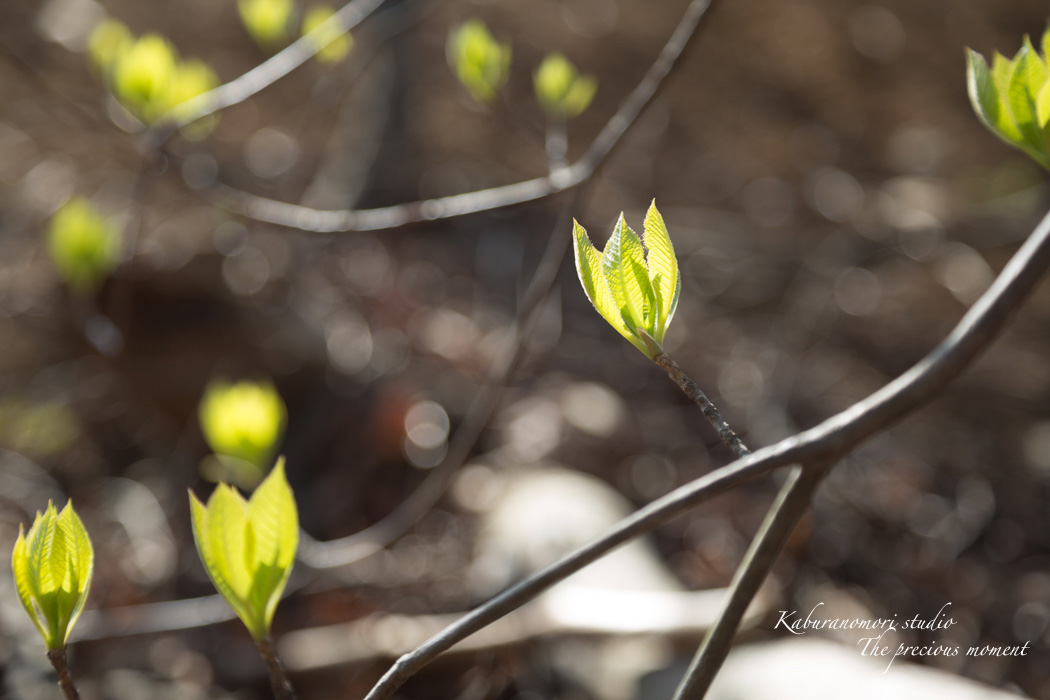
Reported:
(1002, 68)
(623, 262)
(23, 581)
(560, 88)
(245, 421)
(481, 63)
(984, 95)
(1028, 70)
(212, 565)
(268, 21)
(1042, 107)
(109, 41)
(82, 559)
(592, 277)
(663, 270)
(580, 95)
(143, 71)
(53, 564)
(83, 246)
(274, 519)
(1046, 42)
(227, 521)
(248, 548)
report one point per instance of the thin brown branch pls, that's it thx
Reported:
(279, 683)
(824, 444)
(329, 221)
(791, 503)
(57, 657)
(710, 411)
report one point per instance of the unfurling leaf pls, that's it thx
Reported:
(634, 283)
(1012, 99)
(480, 62)
(248, 547)
(53, 564)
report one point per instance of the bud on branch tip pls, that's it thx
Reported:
(634, 283)
(52, 564)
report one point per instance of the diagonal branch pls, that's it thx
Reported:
(791, 502)
(329, 221)
(824, 444)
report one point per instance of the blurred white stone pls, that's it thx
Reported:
(877, 33)
(814, 669)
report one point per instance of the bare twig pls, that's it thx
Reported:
(557, 143)
(327, 221)
(784, 514)
(282, 687)
(710, 411)
(824, 444)
(57, 657)
(265, 74)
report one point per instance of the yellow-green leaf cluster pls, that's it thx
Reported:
(52, 565)
(480, 62)
(634, 283)
(248, 547)
(268, 21)
(560, 87)
(146, 74)
(1012, 97)
(243, 423)
(333, 41)
(83, 246)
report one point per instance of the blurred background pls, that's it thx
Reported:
(835, 207)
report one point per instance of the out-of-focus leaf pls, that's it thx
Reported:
(561, 89)
(244, 421)
(83, 246)
(268, 21)
(109, 41)
(481, 63)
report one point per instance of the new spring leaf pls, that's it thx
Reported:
(243, 424)
(248, 547)
(52, 565)
(1012, 97)
(480, 62)
(268, 21)
(560, 87)
(83, 245)
(634, 283)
